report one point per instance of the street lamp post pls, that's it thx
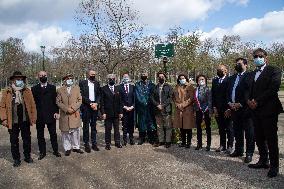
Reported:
(42, 50)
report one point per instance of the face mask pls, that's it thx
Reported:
(201, 82)
(239, 68)
(259, 61)
(143, 78)
(111, 82)
(43, 79)
(126, 80)
(161, 80)
(19, 83)
(220, 73)
(182, 81)
(92, 78)
(69, 82)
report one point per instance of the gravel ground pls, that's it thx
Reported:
(135, 167)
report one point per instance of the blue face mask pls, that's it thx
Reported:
(182, 81)
(126, 80)
(69, 82)
(259, 61)
(19, 83)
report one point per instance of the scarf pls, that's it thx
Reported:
(18, 94)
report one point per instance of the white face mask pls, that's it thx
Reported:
(69, 82)
(201, 82)
(182, 81)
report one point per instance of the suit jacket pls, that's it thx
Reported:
(45, 99)
(166, 99)
(127, 99)
(219, 94)
(84, 88)
(265, 91)
(111, 103)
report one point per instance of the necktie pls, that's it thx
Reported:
(258, 69)
(126, 88)
(112, 90)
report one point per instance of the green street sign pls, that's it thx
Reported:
(162, 50)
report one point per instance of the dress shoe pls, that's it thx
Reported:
(187, 145)
(229, 150)
(107, 147)
(248, 159)
(273, 172)
(168, 144)
(207, 148)
(157, 144)
(118, 146)
(198, 147)
(259, 165)
(181, 145)
(221, 149)
(57, 154)
(124, 143)
(131, 142)
(29, 160)
(87, 148)
(17, 163)
(141, 141)
(67, 153)
(236, 154)
(79, 151)
(95, 148)
(41, 156)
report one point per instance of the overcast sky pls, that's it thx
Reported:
(51, 22)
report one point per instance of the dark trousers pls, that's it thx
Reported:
(40, 136)
(266, 137)
(128, 124)
(226, 131)
(90, 120)
(243, 125)
(200, 116)
(186, 136)
(109, 122)
(24, 128)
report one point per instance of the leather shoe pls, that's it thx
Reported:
(41, 156)
(67, 153)
(168, 144)
(259, 165)
(157, 144)
(236, 154)
(17, 163)
(29, 160)
(187, 145)
(273, 172)
(118, 146)
(57, 154)
(248, 159)
(207, 148)
(95, 148)
(181, 145)
(198, 147)
(107, 147)
(131, 142)
(79, 151)
(124, 143)
(87, 148)
(220, 149)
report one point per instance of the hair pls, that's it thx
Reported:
(90, 69)
(160, 72)
(201, 75)
(260, 50)
(242, 59)
(179, 76)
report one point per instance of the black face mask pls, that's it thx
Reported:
(161, 80)
(239, 68)
(220, 73)
(111, 82)
(92, 78)
(143, 78)
(43, 79)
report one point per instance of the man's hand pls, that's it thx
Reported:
(120, 116)
(227, 113)
(56, 116)
(160, 107)
(104, 116)
(5, 123)
(215, 111)
(94, 106)
(252, 104)
(70, 111)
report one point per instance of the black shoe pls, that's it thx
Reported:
(198, 147)
(248, 159)
(221, 149)
(118, 146)
(41, 156)
(181, 145)
(67, 153)
(79, 151)
(162, 143)
(157, 144)
(87, 148)
(259, 165)
(141, 141)
(207, 148)
(187, 145)
(57, 154)
(132, 142)
(95, 148)
(124, 143)
(273, 172)
(229, 151)
(236, 154)
(17, 163)
(107, 147)
(168, 144)
(29, 160)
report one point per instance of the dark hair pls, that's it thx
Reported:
(201, 75)
(242, 59)
(160, 72)
(178, 78)
(260, 50)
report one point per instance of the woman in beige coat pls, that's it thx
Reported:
(69, 101)
(184, 114)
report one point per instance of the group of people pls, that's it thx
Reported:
(245, 103)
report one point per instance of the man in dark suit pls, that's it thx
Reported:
(219, 104)
(266, 106)
(128, 103)
(111, 109)
(47, 113)
(90, 91)
(242, 121)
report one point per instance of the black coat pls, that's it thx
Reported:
(84, 88)
(111, 104)
(265, 91)
(167, 96)
(219, 94)
(128, 99)
(45, 100)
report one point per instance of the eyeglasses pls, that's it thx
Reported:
(258, 56)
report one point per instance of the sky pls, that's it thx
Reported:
(51, 22)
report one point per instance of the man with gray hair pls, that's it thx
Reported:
(111, 110)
